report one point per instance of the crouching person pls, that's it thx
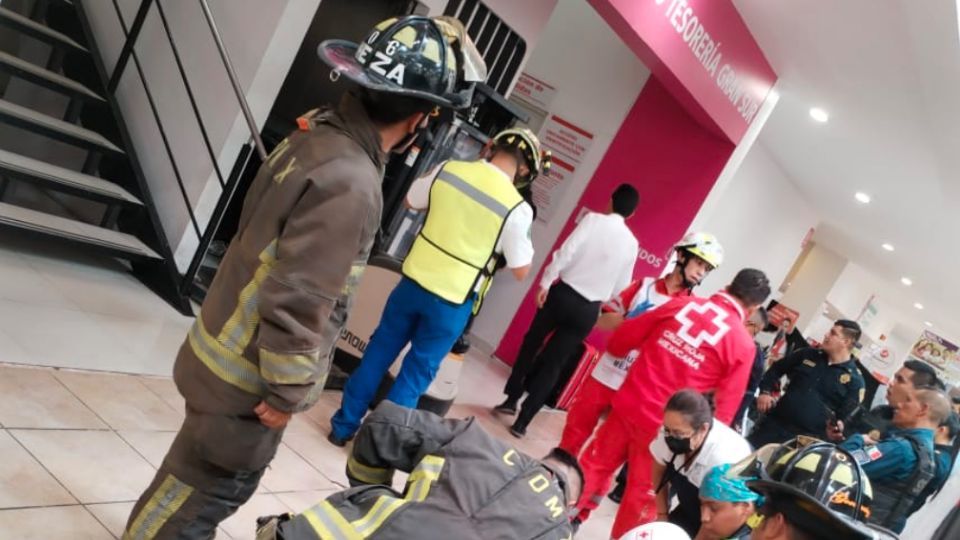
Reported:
(463, 483)
(728, 508)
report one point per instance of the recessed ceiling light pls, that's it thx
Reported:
(928, 323)
(888, 247)
(906, 281)
(918, 305)
(819, 114)
(862, 197)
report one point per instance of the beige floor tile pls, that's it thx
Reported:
(328, 459)
(34, 398)
(321, 413)
(23, 481)
(96, 466)
(122, 401)
(166, 390)
(298, 501)
(54, 523)
(113, 516)
(290, 472)
(152, 445)
(243, 524)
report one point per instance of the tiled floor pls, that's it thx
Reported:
(78, 447)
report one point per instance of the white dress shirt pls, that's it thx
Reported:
(514, 242)
(597, 259)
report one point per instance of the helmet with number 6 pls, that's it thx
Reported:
(431, 58)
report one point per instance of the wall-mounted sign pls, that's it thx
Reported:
(568, 143)
(939, 353)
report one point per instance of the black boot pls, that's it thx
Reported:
(507, 407)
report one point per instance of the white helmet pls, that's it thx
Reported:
(703, 245)
(657, 530)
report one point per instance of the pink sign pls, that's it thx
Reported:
(672, 160)
(702, 51)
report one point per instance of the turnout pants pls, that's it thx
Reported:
(619, 441)
(592, 401)
(412, 315)
(212, 468)
(570, 317)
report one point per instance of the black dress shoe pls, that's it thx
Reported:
(507, 407)
(518, 430)
(616, 495)
(337, 441)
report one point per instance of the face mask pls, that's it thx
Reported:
(678, 445)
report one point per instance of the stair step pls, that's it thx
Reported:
(65, 180)
(115, 242)
(27, 26)
(35, 74)
(54, 128)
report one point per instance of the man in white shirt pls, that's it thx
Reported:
(595, 262)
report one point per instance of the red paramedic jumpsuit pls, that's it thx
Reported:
(593, 399)
(698, 343)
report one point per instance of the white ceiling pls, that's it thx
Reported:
(888, 72)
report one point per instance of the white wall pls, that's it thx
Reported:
(808, 289)
(597, 79)
(760, 219)
(249, 29)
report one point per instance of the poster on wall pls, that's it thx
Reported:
(568, 143)
(939, 353)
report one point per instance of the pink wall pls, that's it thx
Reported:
(671, 158)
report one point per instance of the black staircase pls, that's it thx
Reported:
(110, 184)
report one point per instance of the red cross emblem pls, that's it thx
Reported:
(701, 323)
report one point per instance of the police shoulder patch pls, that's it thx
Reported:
(810, 363)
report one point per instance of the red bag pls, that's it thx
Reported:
(584, 367)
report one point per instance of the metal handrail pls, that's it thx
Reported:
(237, 89)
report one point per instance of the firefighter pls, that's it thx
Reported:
(260, 348)
(811, 490)
(474, 213)
(697, 343)
(463, 483)
(697, 255)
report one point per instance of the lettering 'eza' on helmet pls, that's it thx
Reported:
(821, 486)
(703, 245)
(431, 58)
(538, 160)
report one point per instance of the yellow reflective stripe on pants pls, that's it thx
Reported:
(368, 474)
(328, 523)
(239, 328)
(168, 498)
(288, 368)
(227, 364)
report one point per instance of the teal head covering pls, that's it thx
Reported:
(720, 486)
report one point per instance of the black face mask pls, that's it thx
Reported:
(678, 445)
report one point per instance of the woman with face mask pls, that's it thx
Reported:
(690, 443)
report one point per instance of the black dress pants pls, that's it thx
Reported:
(570, 317)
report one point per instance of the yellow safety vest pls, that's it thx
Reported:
(469, 204)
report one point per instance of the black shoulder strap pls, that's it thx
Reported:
(923, 473)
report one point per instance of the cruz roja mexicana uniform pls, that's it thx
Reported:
(473, 212)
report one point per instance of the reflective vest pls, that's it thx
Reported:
(469, 204)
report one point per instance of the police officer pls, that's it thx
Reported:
(825, 384)
(463, 483)
(914, 374)
(944, 454)
(260, 348)
(901, 463)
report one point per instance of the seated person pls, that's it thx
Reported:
(944, 440)
(463, 483)
(901, 463)
(728, 508)
(690, 443)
